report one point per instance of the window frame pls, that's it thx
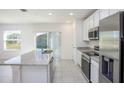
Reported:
(5, 39)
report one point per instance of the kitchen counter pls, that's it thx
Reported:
(31, 58)
(84, 49)
(95, 58)
(32, 67)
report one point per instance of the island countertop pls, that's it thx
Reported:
(32, 58)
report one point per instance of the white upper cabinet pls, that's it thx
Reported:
(107, 12)
(91, 21)
(104, 13)
(96, 18)
(113, 11)
(88, 24)
(120, 9)
(85, 29)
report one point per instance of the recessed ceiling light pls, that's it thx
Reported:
(23, 10)
(71, 14)
(50, 14)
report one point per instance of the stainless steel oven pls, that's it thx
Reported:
(85, 67)
(107, 68)
(86, 62)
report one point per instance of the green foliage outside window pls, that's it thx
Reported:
(42, 41)
(12, 40)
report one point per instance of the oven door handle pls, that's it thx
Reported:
(86, 59)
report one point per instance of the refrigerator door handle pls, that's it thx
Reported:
(122, 25)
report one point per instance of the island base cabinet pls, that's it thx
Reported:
(6, 74)
(34, 74)
(16, 74)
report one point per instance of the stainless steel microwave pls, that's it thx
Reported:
(94, 33)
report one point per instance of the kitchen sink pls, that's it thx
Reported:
(47, 51)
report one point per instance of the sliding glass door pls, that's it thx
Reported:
(49, 41)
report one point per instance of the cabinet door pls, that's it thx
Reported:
(113, 11)
(91, 21)
(79, 58)
(88, 28)
(75, 55)
(16, 74)
(34, 74)
(96, 18)
(104, 13)
(85, 30)
(94, 72)
(120, 9)
(6, 74)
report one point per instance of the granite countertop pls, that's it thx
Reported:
(95, 58)
(84, 49)
(88, 49)
(32, 58)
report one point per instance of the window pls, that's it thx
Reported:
(12, 40)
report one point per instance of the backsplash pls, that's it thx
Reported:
(93, 43)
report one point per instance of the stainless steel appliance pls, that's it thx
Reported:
(94, 33)
(86, 62)
(91, 34)
(111, 43)
(85, 67)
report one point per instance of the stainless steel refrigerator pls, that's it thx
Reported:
(111, 43)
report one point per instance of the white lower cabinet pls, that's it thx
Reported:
(78, 58)
(16, 74)
(34, 74)
(75, 55)
(94, 72)
(6, 74)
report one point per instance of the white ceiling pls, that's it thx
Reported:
(41, 15)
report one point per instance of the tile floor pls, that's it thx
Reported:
(67, 72)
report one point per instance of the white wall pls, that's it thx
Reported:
(67, 41)
(66, 37)
(28, 36)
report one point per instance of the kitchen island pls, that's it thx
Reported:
(32, 67)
